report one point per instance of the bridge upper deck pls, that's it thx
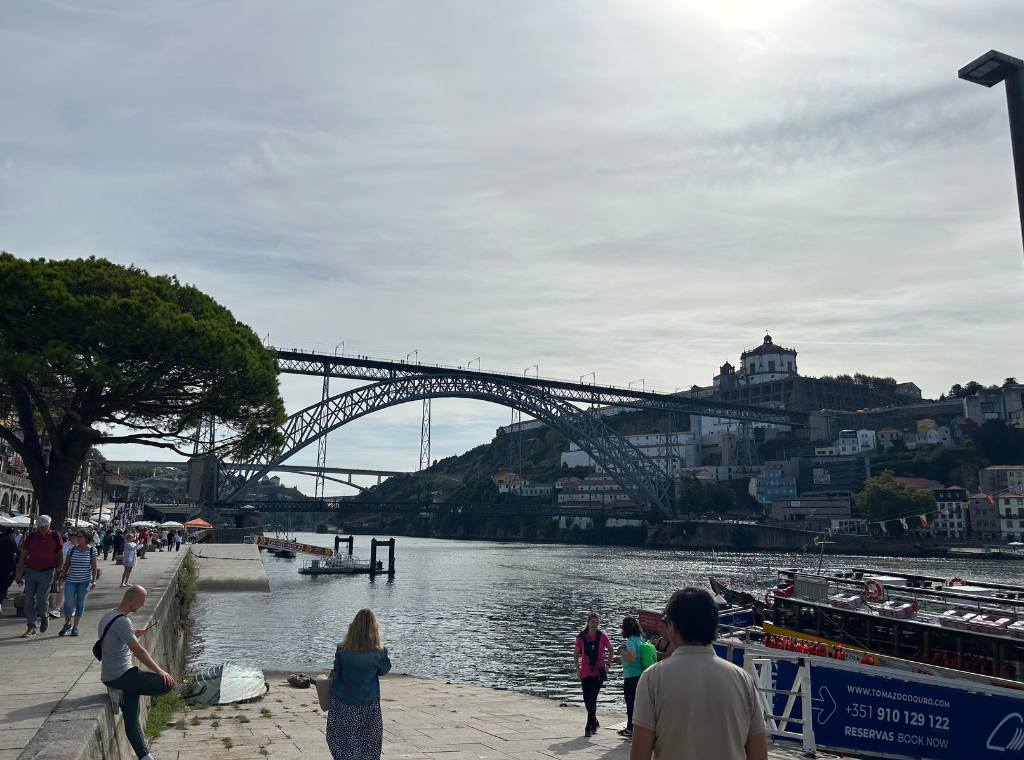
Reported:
(296, 362)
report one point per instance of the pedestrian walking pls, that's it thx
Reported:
(632, 668)
(8, 563)
(80, 573)
(119, 640)
(131, 551)
(143, 543)
(42, 552)
(178, 540)
(118, 545)
(693, 704)
(355, 728)
(108, 542)
(593, 658)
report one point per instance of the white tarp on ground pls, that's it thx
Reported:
(227, 683)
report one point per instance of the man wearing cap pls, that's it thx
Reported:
(693, 704)
(42, 552)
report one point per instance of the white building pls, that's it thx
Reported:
(1011, 514)
(852, 442)
(951, 512)
(932, 436)
(594, 492)
(680, 449)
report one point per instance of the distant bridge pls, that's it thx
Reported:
(553, 402)
(353, 507)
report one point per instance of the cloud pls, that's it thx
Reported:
(638, 190)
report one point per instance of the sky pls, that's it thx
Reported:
(639, 190)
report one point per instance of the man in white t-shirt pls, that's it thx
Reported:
(694, 705)
(119, 642)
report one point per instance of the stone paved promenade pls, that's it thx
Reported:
(423, 720)
(50, 685)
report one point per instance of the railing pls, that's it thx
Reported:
(760, 668)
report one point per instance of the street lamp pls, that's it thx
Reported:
(991, 69)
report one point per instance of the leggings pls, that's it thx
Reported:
(629, 690)
(136, 683)
(75, 593)
(591, 687)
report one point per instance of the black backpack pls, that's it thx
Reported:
(97, 648)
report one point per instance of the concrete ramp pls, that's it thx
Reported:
(229, 567)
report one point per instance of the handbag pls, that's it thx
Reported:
(323, 691)
(97, 648)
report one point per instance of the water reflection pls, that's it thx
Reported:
(500, 615)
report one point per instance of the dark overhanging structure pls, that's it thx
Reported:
(989, 70)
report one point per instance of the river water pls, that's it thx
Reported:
(494, 614)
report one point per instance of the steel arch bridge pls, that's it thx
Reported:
(637, 475)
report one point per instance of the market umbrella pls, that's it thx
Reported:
(171, 524)
(144, 524)
(79, 523)
(198, 522)
(21, 521)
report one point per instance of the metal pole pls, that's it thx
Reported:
(1015, 107)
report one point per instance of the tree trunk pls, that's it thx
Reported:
(53, 486)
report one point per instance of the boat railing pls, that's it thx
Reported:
(933, 600)
(760, 667)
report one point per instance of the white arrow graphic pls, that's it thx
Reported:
(824, 704)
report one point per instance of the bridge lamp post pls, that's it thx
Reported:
(989, 70)
(342, 346)
(535, 368)
(470, 363)
(643, 384)
(415, 354)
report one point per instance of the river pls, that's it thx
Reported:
(494, 614)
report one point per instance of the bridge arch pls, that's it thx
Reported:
(634, 472)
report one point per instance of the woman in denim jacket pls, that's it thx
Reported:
(355, 729)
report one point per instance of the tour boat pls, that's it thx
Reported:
(976, 628)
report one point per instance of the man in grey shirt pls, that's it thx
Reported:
(119, 642)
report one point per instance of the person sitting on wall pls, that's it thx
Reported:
(119, 640)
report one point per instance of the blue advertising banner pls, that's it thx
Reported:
(903, 715)
(873, 711)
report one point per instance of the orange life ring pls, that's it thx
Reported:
(873, 590)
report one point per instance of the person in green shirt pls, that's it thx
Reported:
(632, 667)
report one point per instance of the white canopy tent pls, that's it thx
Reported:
(172, 524)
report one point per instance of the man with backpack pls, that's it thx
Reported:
(118, 641)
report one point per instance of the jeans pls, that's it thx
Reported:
(591, 687)
(74, 597)
(629, 690)
(37, 594)
(136, 683)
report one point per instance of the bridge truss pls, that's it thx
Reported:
(641, 478)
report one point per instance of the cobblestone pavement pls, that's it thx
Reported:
(423, 720)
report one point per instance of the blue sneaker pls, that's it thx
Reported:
(63, 631)
(74, 631)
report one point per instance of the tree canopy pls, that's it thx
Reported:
(94, 353)
(885, 498)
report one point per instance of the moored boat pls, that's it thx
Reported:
(953, 624)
